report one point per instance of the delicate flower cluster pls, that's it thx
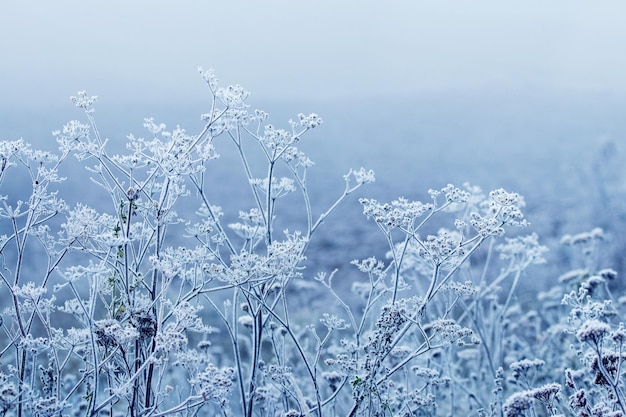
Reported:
(48, 407)
(361, 176)
(111, 333)
(583, 238)
(507, 207)
(486, 226)
(83, 101)
(310, 121)
(522, 367)
(10, 149)
(332, 322)
(465, 289)
(399, 213)
(523, 251)
(517, 404)
(444, 248)
(208, 75)
(371, 266)
(233, 96)
(292, 154)
(251, 226)
(453, 194)
(214, 384)
(276, 139)
(280, 186)
(593, 331)
(75, 136)
(450, 332)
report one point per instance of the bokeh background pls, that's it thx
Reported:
(529, 96)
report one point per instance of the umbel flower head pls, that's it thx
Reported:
(593, 331)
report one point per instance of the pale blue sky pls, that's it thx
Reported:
(315, 49)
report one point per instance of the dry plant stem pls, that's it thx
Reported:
(613, 382)
(309, 368)
(244, 160)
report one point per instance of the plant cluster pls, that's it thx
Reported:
(153, 303)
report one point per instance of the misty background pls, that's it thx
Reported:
(529, 96)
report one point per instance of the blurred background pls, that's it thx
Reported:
(528, 96)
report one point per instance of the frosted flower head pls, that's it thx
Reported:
(425, 373)
(524, 250)
(465, 289)
(251, 225)
(82, 223)
(619, 334)
(292, 154)
(48, 407)
(524, 368)
(276, 139)
(451, 332)
(517, 404)
(171, 339)
(507, 207)
(583, 238)
(110, 333)
(398, 213)
(208, 75)
(74, 136)
(214, 384)
(444, 248)
(612, 362)
(486, 226)
(310, 122)
(524, 365)
(332, 322)
(29, 291)
(546, 393)
(370, 265)
(35, 345)
(233, 96)
(82, 100)
(424, 401)
(361, 176)
(455, 195)
(593, 331)
(279, 186)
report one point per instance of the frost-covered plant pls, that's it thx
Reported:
(575, 343)
(105, 304)
(597, 327)
(156, 301)
(427, 335)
